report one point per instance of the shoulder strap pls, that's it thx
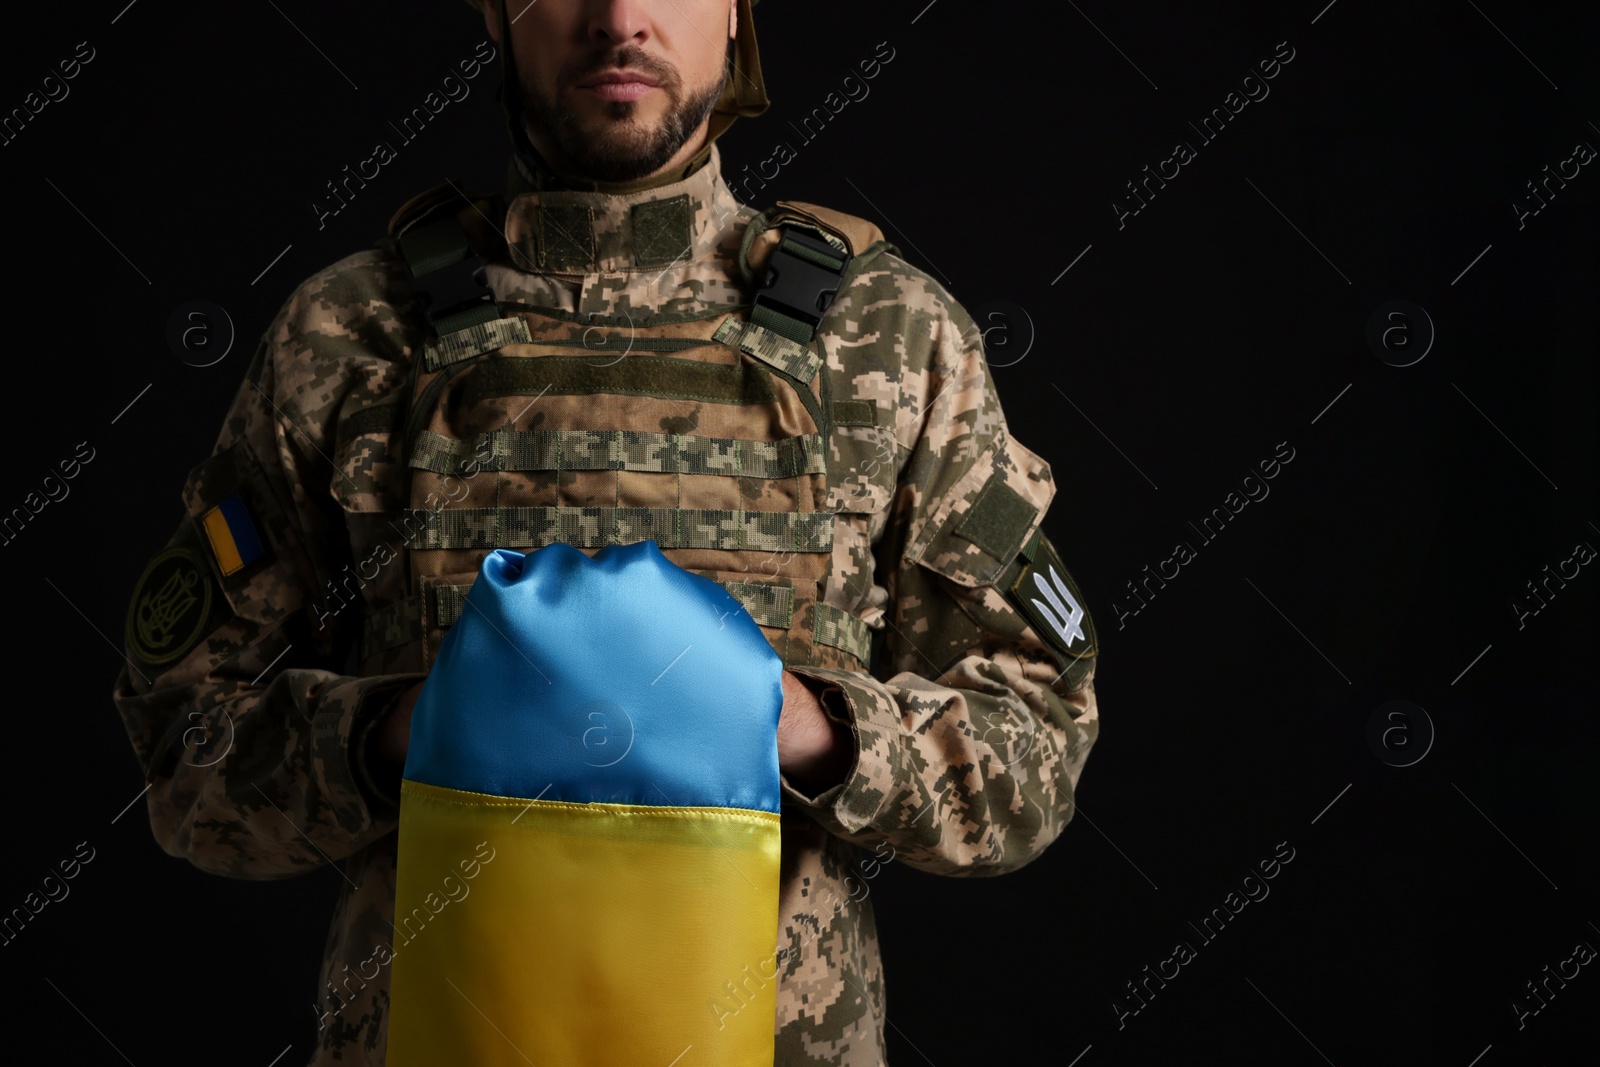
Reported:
(803, 274)
(444, 266)
(426, 205)
(440, 242)
(447, 276)
(858, 234)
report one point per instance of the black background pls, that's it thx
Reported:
(1178, 351)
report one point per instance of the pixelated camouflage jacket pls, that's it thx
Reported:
(251, 681)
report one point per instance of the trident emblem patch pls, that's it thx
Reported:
(170, 607)
(1049, 599)
(1063, 619)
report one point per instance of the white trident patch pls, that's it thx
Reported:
(1065, 622)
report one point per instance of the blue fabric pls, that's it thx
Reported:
(620, 678)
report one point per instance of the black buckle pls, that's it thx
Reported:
(445, 291)
(797, 287)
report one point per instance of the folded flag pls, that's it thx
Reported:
(605, 730)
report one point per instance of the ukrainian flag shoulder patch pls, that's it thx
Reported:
(231, 533)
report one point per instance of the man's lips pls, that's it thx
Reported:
(618, 85)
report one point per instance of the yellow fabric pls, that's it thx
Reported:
(222, 543)
(587, 933)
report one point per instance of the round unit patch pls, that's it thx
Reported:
(170, 606)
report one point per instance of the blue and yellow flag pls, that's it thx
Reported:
(597, 745)
(232, 534)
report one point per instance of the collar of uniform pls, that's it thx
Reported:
(575, 232)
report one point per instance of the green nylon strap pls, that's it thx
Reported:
(636, 375)
(535, 527)
(475, 339)
(786, 326)
(462, 320)
(635, 320)
(379, 418)
(449, 601)
(1008, 577)
(601, 346)
(769, 605)
(840, 629)
(795, 360)
(434, 245)
(627, 450)
(420, 412)
(811, 255)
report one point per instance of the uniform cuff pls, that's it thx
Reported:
(344, 721)
(869, 708)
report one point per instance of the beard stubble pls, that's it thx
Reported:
(620, 146)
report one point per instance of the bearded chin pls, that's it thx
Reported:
(622, 148)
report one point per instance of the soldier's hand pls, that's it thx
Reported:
(814, 751)
(391, 738)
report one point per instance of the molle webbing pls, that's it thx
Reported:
(636, 375)
(475, 341)
(771, 363)
(449, 601)
(594, 527)
(769, 605)
(789, 357)
(626, 450)
(839, 628)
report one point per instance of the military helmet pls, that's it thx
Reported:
(746, 92)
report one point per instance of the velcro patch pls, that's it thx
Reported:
(1046, 594)
(662, 231)
(232, 535)
(997, 520)
(171, 607)
(855, 413)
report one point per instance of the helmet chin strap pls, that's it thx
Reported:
(511, 98)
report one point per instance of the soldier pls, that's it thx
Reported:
(593, 358)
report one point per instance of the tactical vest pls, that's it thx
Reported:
(527, 425)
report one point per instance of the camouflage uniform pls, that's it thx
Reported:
(890, 550)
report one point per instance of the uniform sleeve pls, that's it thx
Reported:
(234, 693)
(971, 733)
